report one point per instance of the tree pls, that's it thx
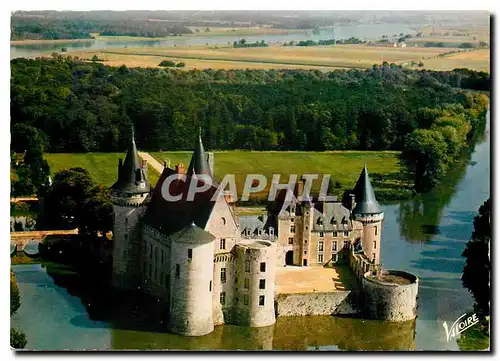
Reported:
(15, 296)
(17, 339)
(476, 272)
(75, 201)
(424, 154)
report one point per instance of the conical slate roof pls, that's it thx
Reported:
(199, 163)
(366, 203)
(192, 234)
(131, 177)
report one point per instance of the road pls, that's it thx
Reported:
(152, 161)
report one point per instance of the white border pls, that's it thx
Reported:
(5, 352)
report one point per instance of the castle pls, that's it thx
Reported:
(210, 266)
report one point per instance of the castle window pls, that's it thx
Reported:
(375, 230)
(222, 243)
(305, 241)
(126, 236)
(259, 232)
(304, 262)
(320, 246)
(320, 221)
(334, 234)
(321, 234)
(177, 270)
(261, 300)
(210, 286)
(271, 231)
(223, 298)
(263, 266)
(373, 256)
(346, 233)
(335, 257)
(223, 221)
(126, 221)
(305, 252)
(334, 246)
(262, 284)
(246, 300)
(247, 283)
(320, 258)
(291, 220)
(374, 244)
(190, 254)
(247, 266)
(345, 244)
(162, 256)
(292, 228)
(290, 240)
(223, 275)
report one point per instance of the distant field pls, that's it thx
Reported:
(475, 59)
(344, 166)
(103, 167)
(146, 61)
(340, 56)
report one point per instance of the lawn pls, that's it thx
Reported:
(474, 59)
(103, 167)
(344, 166)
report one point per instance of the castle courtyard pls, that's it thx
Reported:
(293, 279)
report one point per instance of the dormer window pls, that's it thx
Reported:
(320, 221)
(259, 232)
(292, 209)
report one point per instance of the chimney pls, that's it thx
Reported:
(179, 169)
(300, 188)
(211, 162)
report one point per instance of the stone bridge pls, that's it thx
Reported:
(21, 240)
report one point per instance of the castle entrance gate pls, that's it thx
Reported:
(289, 258)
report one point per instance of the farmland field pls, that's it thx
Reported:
(103, 167)
(341, 56)
(475, 59)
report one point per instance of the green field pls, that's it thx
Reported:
(344, 166)
(103, 167)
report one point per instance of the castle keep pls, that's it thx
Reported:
(211, 267)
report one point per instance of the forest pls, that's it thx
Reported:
(54, 29)
(88, 107)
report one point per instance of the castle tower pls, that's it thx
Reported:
(129, 195)
(367, 211)
(191, 282)
(201, 163)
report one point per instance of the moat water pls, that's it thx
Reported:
(424, 236)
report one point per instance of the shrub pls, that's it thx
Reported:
(180, 65)
(17, 339)
(169, 63)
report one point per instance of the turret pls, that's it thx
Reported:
(129, 195)
(200, 160)
(368, 212)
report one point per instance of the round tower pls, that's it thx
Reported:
(129, 195)
(368, 212)
(191, 282)
(256, 273)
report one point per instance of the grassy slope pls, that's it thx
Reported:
(101, 166)
(344, 166)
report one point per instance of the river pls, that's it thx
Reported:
(424, 236)
(367, 31)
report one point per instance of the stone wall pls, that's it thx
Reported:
(389, 301)
(318, 303)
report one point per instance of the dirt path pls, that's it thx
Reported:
(157, 166)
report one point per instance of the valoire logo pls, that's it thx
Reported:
(459, 326)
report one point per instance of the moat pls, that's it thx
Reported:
(424, 236)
